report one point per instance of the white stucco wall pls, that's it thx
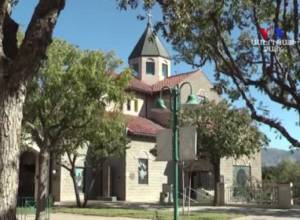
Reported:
(135, 192)
(201, 86)
(66, 185)
(141, 110)
(147, 78)
(254, 162)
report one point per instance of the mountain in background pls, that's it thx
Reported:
(273, 156)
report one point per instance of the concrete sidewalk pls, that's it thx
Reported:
(65, 216)
(254, 213)
(251, 213)
(265, 218)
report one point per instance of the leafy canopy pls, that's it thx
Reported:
(107, 137)
(223, 33)
(223, 131)
(286, 172)
(68, 98)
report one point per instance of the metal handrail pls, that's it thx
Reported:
(188, 198)
(193, 190)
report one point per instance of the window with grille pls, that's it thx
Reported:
(136, 105)
(128, 105)
(241, 175)
(79, 178)
(150, 67)
(143, 171)
(135, 68)
(165, 71)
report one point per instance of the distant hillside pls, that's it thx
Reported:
(273, 156)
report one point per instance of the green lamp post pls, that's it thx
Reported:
(175, 95)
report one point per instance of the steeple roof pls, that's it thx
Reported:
(149, 45)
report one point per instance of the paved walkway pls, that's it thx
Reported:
(264, 217)
(251, 212)
(65, 216)
(254, 213)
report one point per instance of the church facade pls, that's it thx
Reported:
(138, 176)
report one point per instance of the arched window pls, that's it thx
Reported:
(136, 105)
(128, 105)
(135, 67)
(165, 69)
(150, 67)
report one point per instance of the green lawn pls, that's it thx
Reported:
(148, 214)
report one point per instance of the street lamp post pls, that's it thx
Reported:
(175, 106)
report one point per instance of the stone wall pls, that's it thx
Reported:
(157, 176)
(63, 188)
(201, 86)
(227, 166)
(141, 106)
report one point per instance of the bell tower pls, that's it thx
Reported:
(149, 58)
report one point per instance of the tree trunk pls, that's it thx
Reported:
(17, 66)
(43, 177)
(11, 106)
(216, 166)
(76, 190)
(88, 189)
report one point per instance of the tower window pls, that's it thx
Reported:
(135, 68)
(150, 68)
(136, 105)
(165, 70)
(128, 105)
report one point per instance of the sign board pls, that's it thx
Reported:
(187, 144)
(164, 145)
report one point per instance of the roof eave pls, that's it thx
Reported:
(137, 134)
(149, 55)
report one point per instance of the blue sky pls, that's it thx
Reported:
(98, 24)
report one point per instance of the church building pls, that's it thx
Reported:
(137, 176)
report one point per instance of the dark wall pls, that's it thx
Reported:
(26, 175)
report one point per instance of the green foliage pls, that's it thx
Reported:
(107, 137)
(224, 131)
(223, 33)
(286, 172)
(67, 100)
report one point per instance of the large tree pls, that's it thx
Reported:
(104, 137)
(66, 98)
(244, 40)
(287, 171)
(18, 64)
(223, 132)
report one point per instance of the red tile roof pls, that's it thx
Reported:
(171, 81)
(142, 126)
(139, 86)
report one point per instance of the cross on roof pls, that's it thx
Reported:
(149, 15)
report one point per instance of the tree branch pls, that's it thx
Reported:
(236, 72)
(3, 12)
(36, 135)
(272, 123)
(296, 19)
(10, 42)
(261, 48)
(296, 23)
(64, 166)
(37, 38)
